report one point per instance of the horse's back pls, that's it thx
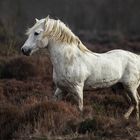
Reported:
(125, 56)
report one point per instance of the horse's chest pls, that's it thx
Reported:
(62, 80)
(65, 84)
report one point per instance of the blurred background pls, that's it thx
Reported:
(27, 111)
(94, 21)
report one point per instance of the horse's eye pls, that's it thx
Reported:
(36, 33)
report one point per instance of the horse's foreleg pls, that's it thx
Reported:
(80, 102)
(79, 95)
(136, 97)
(58, 95)
(128, 113)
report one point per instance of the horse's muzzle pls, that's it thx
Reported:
(26, 51)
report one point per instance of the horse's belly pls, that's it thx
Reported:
(99, 84)
(104, 75)
(94, 84)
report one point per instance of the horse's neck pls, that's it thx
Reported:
(62, 53)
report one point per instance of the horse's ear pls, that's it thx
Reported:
(46, 19)
(36, 20)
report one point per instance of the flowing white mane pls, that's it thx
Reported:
(57, 30)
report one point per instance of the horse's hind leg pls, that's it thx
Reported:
(133, 94)
(58, 95)
(129, 101)
(131, 108)
(136, 96)
(128, 113)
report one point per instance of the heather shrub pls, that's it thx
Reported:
(47, 118)
(9, 120)
(21, 92)
(37, 119)
(50, 117)
(89, 125)
(26, 67)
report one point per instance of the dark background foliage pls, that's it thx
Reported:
(90, 18)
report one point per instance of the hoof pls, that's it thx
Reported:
(126, 117)
(54, 98)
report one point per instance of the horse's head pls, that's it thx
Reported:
(36, 38)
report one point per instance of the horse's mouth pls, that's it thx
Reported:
(27, 54)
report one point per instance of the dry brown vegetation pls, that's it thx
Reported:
(27, 109)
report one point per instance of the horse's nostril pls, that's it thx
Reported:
(22, 50)
(29, 50)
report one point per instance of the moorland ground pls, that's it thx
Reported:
(27, 110)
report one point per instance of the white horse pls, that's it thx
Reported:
(75, 67)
